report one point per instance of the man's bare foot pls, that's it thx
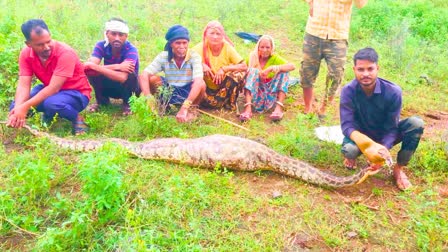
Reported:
(350, 163)
(182, 114)
(186, 114)
(401, 179)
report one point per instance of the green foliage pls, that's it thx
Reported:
(429, 220)
(151, 123)
(431, 158)
(102, 181)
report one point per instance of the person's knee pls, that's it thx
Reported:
(416, 122)
(52, 105)
(350, 151)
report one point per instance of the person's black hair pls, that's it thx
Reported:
(367, 53)
(36, 25)
(117, 19)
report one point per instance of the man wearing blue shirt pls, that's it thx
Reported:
(118, 77)
(370, 119)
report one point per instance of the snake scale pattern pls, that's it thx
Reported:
(232, 152)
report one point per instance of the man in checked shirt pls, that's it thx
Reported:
(326, 38)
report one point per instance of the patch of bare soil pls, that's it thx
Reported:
(435, 122)
(15, 242)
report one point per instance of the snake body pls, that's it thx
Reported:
(213, 151)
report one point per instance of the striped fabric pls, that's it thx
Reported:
(191, 68)
(331, 18)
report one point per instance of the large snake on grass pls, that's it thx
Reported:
(213, 151)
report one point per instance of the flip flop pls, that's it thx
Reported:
(245, 116)
(95, 107)
(79, 128)
(126, 109)
(276, 116)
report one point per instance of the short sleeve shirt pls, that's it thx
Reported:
(128, 52)
(63, 62)
(190, 69)
(228, 56)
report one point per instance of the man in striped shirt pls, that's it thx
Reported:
(118, 77)
(326, 36)
(183, 73)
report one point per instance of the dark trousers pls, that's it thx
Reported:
(106, 88)
(66, 103)
(410, 132)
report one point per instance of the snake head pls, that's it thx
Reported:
(385, 155)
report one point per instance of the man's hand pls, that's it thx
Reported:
(374, 152)
(90, 66)
(127, 66)
(17, 116)
(377, 154)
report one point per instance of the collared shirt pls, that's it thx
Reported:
(190, 69)
(331, 18)
(128, 52)
(376, 116)
(63, 62)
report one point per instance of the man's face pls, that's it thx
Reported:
(41, 43)
(116, 39)
(180, 48)
(366, 72)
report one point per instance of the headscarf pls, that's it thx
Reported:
(116, 26)
(175, 32)
(254, 57)
(215, 24)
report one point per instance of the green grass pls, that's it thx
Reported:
(57, 200)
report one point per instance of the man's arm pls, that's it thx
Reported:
(375, 153)
(17, 115)
(310, 3)
(116, 72)
(144, 83)
(23, 90)
(360, 3)
(151, 70)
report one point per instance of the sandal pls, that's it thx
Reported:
(245, 116)
(80, 127)
(95, 107)
(277, 116)
(126, 109)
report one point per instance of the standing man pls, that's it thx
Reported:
(370, 111)
(65, 89)
(118, 77)
(183, 73)
(326, 38)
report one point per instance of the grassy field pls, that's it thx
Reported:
(56, 200)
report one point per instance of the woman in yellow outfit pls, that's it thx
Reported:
(224, 69)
